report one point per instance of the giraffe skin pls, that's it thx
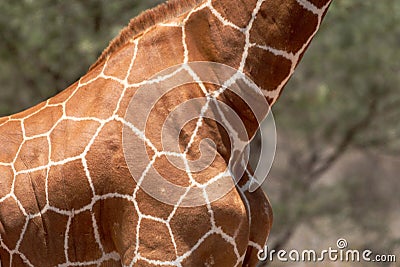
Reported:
(67, 197)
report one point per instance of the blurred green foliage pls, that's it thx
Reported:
(46, 45)
(344, 97)
(351, 72)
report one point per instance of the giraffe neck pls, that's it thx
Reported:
(265, 39)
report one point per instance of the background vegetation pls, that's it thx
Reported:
(337, 169)
(47, 45)
(338, 161)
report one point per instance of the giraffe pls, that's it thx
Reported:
(67, 195)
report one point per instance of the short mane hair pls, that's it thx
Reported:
(144, 21)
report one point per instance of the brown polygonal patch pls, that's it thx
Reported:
(82, 242)
(5, 257)
(6, 179)
(151, 206)
(188, 226)
(157, 50)
(137, 154)
(261, 216)
(106, 238)
(12, 222)
(210, 129)
(213, 251)
(143, 263)
(171, 173)
(244, 108)
(214, 169)
(129, 93)
(239, 13)
(43, 242)
(209, 40)
(129, 255)
(118, 64)
(319, 3)
(69, 187)
(230, 214)
(106, 162)
(285, 26)
(274, 68)
(110, 263)
(159, 116)
(30, 191)
(119, 219)
(219, 188)
(155, 241)
(17, 260)
(43, 121)
(10, 139)
(34, 153)
(98, 99)
(70, 138)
